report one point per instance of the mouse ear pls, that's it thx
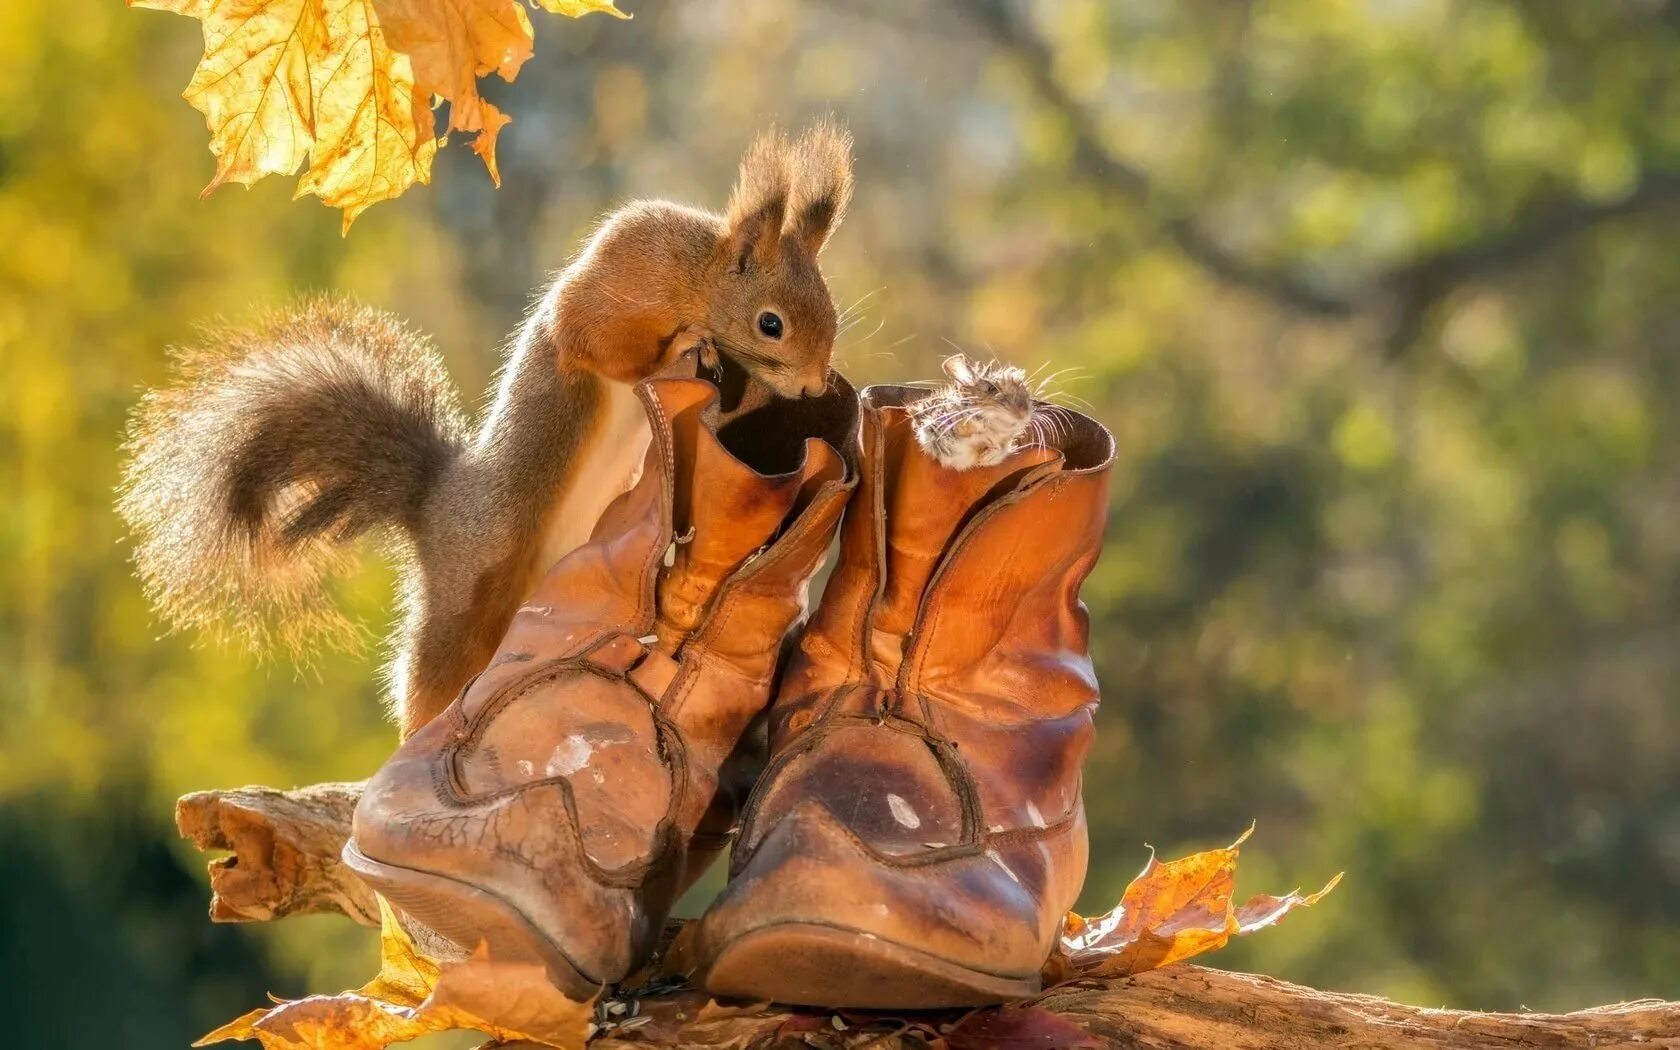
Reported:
(758, 204)
(822, 182)
(959, 368)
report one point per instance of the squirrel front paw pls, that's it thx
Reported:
(694, 337)
(709, 355)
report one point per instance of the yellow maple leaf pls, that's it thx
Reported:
(255, 82)
(414, 995)
(373, 128)
(579, 8)
(451, 44)
(485, 143)
(190, 8)
(348, 85)
(405, 976)
(1173, 910)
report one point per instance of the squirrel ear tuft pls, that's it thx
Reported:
(822, 182)
(758, 204)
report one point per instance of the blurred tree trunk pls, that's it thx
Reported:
(286, 862)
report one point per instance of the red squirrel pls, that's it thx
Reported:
(278, 445)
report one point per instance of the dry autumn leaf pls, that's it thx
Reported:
(412, 996)
(348, 85)
(1170, 912)
(1018, 1028)
(579, 8)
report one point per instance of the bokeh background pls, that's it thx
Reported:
(1381, 298)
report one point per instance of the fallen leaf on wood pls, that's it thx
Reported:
(1018, 1028)
(798, 1025)
(686, 1017)
(1172, 911)
(671, 1014)
(348, 85)
(412, 996)
(714, 1010)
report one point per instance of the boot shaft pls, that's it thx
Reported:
(964, 585)
(706, 560)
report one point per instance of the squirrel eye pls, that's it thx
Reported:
(989, 386)
(770, 324)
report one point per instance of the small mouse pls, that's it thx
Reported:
(984, 413)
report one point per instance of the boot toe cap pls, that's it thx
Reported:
(816, 916)
(506, 872)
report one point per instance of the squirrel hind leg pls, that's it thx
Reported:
(428, 675)
(442, 644)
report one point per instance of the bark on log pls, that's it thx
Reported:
(286, 846)
(1194, 1006)
(285, 852)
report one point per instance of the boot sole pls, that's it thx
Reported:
(808, 964)
(468, 916)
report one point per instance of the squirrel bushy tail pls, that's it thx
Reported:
(277, 445)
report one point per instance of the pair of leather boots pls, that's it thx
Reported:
(917, 832)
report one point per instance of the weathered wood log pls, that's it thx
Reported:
(285, 848)
(285, 862)
(1181, 1007)
(1195, 1006)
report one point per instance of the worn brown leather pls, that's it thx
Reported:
(919, 834)
(550, 810)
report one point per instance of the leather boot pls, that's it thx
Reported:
(550, 810)
(919, 833)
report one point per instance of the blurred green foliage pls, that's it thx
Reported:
(1377, 295)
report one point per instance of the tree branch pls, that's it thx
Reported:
(1410, 289)
(1417, 287)
(1093, 157)
(285, 852)
(1180, 1007)
(1537, 230)
(286, 847)
(1194, 1006)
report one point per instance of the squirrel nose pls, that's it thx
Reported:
(814, 387)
